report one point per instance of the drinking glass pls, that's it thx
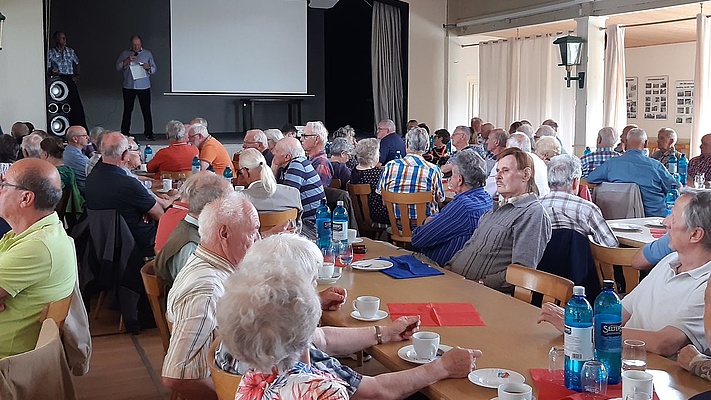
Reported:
(634, 355)
(556, 363)
(182, 176)
(699, 181)
(345, 254)
(329, 254)
(594, 378)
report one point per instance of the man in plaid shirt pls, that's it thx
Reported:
(666, 137)
(606, 138)
(701, 164)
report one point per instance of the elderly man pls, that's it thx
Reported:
(292, 168)
(622, 146)
(540, 171)
(653, 179)
(701, 164)
(461, 140)
(74, 157)
(495, 144)
(198, 190)
(137, 84)
(19, 130)
(212, 152)
(606, 137)
(314, 141)
(666, 138)
(445, 233)
(516, 232)
(37, 259)
(412, 174)
(390, 142)
(178, 156)
(31, 145)
(568, 211)
(397, 385)
(665, 310)
(475, 126)
(257, 139)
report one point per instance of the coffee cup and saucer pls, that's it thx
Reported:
(367, 308)
(424, 349)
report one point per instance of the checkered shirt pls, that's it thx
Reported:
(596, 158)
(412, 174)
(568, 211)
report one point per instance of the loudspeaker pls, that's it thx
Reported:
(322, 3)
(58, 107)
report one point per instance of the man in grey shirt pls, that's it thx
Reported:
(137, 65)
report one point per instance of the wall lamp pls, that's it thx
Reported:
(2, 22)
(570, 54)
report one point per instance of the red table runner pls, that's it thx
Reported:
(438, 314)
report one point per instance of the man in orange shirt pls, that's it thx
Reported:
(179, 154)
(212, 152)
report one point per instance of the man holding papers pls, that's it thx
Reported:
(137, 65)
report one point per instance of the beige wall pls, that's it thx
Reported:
(22, 81)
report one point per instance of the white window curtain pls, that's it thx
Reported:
(520, 79)
(702, 83)
(615, 95)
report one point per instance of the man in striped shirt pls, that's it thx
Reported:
(606, 137)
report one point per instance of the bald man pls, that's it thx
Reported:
(37, 259)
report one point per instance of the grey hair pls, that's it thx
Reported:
(697, 213)
(31, 145)
(418, 140)
(548, 146)
(113, 150)
(545, 130)
(607, 136)
(341, 145)
(229, 210)
(465, 130)
(520, 141)
(200, 120)
(471, 167)
(294, 148)
(75, 130)
(253, 160)
(318, 129)
(95, 134)
(637, 134)
(202, 188)
(199, 129)
(367, 151)
(175, 130)
(388, 124)
(274, 134)
(259, 136)
(670, 131)
(501, 135)
(530, 132)
(273, 297)
(344, 131)
(562, 170)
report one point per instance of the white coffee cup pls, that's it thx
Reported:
(325, 271)
(239, 188)
(515, 391)
(426, 344)
(367, 306)
(352, 235)
(167, 184)
(634, 381)
(143, 168)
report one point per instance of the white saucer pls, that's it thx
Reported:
(622, 227)
(377, 317)
(356, 240)
(492, 377)
(163, 190)
(407, 353)
(534, 398)
(371, 265)
(328, 281)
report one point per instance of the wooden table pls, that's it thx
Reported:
(635, 239)
(511, 338)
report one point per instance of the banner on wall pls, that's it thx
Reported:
(684, 102)
(655, 97)
(631, 89)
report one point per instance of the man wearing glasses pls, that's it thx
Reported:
(74, 157)
(37, 260)
(314, 141)
(257, 139)
(390, 141)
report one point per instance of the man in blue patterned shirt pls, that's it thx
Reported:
(606, 138)
(63, 62)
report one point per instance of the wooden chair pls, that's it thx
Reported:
(225, 383)
(526, 280)
(335, 183)
(359, 197)
(155, 291)
(606, 257)
(402, 232)
(57, 310)
(268, 220)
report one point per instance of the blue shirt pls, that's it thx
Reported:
(63, 61)
(300, 174)
(653, 179)
(389, 146)
(654, 252)
(412, 174)
(144, 57)
(447, 232)
(75, 159)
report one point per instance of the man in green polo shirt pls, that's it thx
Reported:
(37, 259)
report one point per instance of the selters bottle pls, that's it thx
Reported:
(339, 224)
(608, 331)
(578, 337)
(323, 225)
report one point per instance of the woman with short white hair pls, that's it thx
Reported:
(263, 190)
(547, 147)
(273, 136)
(367, 172)
(341, 150)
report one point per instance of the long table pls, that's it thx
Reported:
(511, 338)
(635, 239)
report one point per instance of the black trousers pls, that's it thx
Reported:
(144, 100)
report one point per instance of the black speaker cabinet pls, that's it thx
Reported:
(58, 107)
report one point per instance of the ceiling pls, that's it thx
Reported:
(649, 35)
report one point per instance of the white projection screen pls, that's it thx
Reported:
(238, 46)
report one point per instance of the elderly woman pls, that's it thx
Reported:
(445, 233)
(547, 147)
(341, 150)
(263, 190)
(273, 136)
(267, 318)
(349, 134)
(366, 172)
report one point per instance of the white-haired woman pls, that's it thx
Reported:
(267, 318)
(547, 147)
(341, 150)
(263, 190)
(367, 152)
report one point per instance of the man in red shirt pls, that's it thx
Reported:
(179, 154)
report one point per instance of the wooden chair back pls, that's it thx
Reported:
(225, 383)
(155, 291)
(57, 310)
(268, 220)
(526, 280)
(175, 175)
(359, 197)
(335, 183)
(606, 257)
(235, 160)
(402, 233)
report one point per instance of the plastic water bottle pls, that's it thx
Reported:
(608, 331)
(587, 151)
(672, 164)
(671, 197)
(683, 169)
(340, 223)
(578, 337)
(323, 225)
(227, 174)
(196, 165)
(148, 153)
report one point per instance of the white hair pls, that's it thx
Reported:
(548, 146)
(254, 161)
(31, 145)
(367, 151)
(229, 210)
(418, 140)
(175, 130)
(199, 129)
(637, 134)
(545, 130)
(202, 188)
(670, 131)
(388, 124)
(520, 141)
(562, 170)
(318, 129)
(259, 136)
(293, 147)
(607, 136)
(274, 135)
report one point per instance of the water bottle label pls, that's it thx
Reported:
(611, 329)
(340, 230)
(326, 225)
(579, 343)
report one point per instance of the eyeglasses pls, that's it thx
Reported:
(18, 187)
(382, 129)
(133, 149)
(305, 135)
(248, 142)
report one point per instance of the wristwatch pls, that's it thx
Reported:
(378, 335)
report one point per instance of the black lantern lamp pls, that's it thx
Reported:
(570, 54)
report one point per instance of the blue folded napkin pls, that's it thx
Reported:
(408, 267)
